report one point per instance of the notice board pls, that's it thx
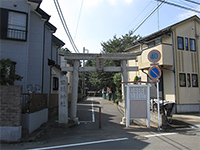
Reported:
(137, 103)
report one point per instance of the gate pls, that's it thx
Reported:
(123, 57)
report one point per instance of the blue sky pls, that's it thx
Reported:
(100, 20)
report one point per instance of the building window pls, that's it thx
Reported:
(151, 44)
(192, 45)
(194, 80)
(55, 83)
(180, 43)
(188, 80)
(182, 79)
(186, 44)
(155, 42)
(14, 25)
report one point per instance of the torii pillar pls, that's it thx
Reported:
(125, 79)
(73, 112)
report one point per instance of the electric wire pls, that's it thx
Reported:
(192, 2)
(183, 2)
(69, 35)
(58, 8)
(148, 16)
(138, 15)
(173, 4)
(78, 19)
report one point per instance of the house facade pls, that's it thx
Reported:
(179, 45)
(26, 37)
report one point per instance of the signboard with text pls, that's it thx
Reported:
(137, 104)
(99, 64)
(154, 56)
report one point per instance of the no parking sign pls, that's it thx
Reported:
(154, 72)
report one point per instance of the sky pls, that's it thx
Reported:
(92, 22)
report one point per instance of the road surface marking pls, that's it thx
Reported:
(156, 135)
(80, 144)
(194, 126)
(93, 117)
(164, 134)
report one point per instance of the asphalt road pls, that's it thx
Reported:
(112, 134)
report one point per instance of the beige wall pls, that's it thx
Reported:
(168, 82)
(186, 62)
(166, 56)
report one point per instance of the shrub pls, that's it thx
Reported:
(7, 72)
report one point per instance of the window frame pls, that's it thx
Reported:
(179, 37)
(55, 83)
(155, 42)
(4, 25)
(191, 39)
(197, 84)
(186, 44)
(180, 80)
(188, 80)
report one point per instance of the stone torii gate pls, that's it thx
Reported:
(63, 101)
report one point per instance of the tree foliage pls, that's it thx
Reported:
(111, 79)
(8, 75)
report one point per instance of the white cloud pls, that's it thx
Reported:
(188, 14)
(91, 3)
(128, 1)
(94, 3)
(112, 2)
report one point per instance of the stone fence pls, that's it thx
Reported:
(10, 112)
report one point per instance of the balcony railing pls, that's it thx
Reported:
(16, 34)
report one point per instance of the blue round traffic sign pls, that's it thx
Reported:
(154, 72)
(154, 56)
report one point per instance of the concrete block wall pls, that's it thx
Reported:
(10, 112)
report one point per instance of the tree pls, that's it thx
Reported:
(117, 79)
(117, 45)
(8, 75)
(106, 79)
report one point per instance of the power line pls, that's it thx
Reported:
(138, 15)
(193, 2)
(148, 16)
(65, 25)
(186, 3)
(69, 35)
(78, 19)
(179, 6)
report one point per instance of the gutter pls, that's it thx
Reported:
(43, 60)
(174, 64)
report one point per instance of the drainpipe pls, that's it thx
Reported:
(174, 66)
(43, 60)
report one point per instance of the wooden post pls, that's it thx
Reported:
(99, 117)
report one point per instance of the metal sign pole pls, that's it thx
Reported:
(155, 73)
(158, 105)
(148, 105)
(127, 106)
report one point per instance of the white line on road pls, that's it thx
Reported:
(194, 126)
(80, 144)
(93, 117)
(166, 134)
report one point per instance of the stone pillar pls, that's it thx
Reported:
(74, 97)
(63, 99)
(124, 79)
